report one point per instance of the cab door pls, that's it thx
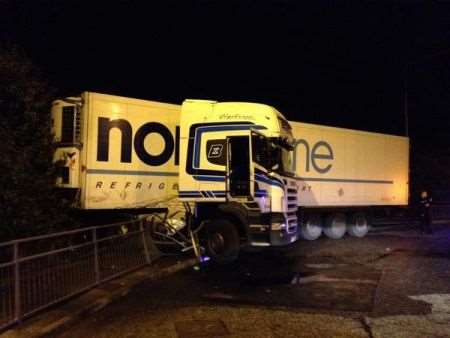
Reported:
(239, 169)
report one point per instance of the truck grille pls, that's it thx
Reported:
(292, 205)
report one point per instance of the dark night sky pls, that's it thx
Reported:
(331, 63)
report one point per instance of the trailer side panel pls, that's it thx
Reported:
(131, 153)
(343, 167)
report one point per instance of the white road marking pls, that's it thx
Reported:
(440, 310)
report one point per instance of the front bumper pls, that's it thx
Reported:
(282, 238)
(272, 238)
(272, 230)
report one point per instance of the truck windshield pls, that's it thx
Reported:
(273, 154)
(281, 155)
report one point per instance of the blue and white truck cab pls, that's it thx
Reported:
(236, 169)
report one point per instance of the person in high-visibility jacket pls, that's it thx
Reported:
(425, 212)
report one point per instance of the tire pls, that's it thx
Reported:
(358, 225)
(335, 226)
(222, 241)
(312, 228)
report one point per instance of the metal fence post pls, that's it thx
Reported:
(17, 298)
(147, 254)
(96, 262)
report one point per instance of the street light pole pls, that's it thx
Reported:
(405, 98)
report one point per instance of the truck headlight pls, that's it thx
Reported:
(277, 221)
(278, 226)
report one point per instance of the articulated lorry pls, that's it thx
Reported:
(244, 174)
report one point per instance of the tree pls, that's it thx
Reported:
(28, 204)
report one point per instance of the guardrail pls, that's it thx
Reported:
(38, 272)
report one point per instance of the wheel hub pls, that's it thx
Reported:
(217, 242)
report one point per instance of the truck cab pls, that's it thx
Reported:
(236, 169)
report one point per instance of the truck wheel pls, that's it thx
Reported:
(311, 229)
(335, 226)
(222, 241)
(358, 225)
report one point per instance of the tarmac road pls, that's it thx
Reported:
(388, 284)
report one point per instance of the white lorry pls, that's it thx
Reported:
(250, 176)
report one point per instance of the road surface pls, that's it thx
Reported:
(389, 284)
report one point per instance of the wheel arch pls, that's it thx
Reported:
(236, 214)
(233, 212)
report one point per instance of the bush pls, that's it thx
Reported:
(28, 204)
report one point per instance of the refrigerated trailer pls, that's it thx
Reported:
(245, 174)
(344, 174)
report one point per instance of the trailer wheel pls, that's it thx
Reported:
(358, 225)
(222, 241)
(335, 226)
(311, 229)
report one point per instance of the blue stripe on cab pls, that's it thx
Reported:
(209, 178)
(202, 193)
(267, 180)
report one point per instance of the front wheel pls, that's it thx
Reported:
(222, 241)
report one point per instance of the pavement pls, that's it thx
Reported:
(392, 283)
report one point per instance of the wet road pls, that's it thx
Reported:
(389, 284)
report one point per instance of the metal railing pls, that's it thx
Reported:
(38, 272)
